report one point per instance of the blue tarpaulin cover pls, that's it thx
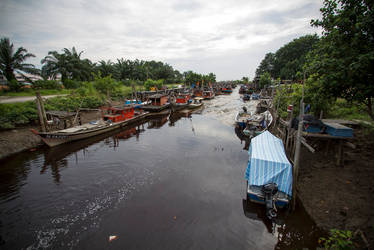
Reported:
(268, 163)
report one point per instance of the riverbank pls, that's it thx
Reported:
(22, 139)
(340, 197)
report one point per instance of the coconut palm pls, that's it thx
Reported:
(12, 60)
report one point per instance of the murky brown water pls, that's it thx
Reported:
(171, 183)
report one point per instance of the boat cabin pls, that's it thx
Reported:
(182, 98)
(117, 114)
(208, 94)
(158, 99)
(198, 92)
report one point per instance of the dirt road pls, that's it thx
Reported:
(11, 99)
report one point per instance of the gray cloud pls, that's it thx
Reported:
(227, 38)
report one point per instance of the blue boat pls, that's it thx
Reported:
(269, 173)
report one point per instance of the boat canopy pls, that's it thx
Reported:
(268, 163)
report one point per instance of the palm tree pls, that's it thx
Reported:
(11, 60)
(69, 64)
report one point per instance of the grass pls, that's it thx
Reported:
(348, 111)
(31, 92)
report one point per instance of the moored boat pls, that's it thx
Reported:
(208, 94)
(181, 101)
(197, 103)
(258, 123)
(269, 173)
(112, 118)
(159, 102)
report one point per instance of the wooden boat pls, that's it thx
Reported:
(273, 187)
(197, 93)
(112, 118)
(227, 90)
(241, 117)
(208, 94)
(258, 123)
(159, 102)
(197, 103)
(181, 101)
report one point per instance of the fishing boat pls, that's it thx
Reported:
(158, 103)
(241, 117)
(227, 90)
(258, 123)
(196, 103)
(269, 173)
(246, 97)
(112, 118)
(208, 94)
(255, 96)
(197, 93)
(181, 101)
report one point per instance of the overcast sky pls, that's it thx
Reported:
(228, 38)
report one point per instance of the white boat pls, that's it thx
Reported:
(258, 123)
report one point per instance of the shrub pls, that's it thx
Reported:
(72, 84)
(338, 239)
(46, 84)
(14, 85)
(153, 83)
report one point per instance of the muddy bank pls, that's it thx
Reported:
(21, 139)
(340, 197)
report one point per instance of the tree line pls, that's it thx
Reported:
(70, 66)
(339, 63)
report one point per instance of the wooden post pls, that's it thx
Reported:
(297, 150)
(134, 91)
(289, 128)
(41, 112)
(321, 115)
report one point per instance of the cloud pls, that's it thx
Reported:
(228, 38)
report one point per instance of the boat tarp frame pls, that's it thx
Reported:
(268, 163)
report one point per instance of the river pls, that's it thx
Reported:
(170, 183)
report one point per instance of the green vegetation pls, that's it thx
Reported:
(338, 239)
(16, 114)
(331, 107)
(11, 61)
(337, 65)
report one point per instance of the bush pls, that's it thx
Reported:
(72, 84)
(153, 83)
(47, 84)
(13, 114)
(14, 85)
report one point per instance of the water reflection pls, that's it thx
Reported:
(293, 230)
(133, 182)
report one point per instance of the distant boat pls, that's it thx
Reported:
(255, 96)
(181, 101)
(112, 118)
(208, 94)
(269, 173)
(227, 90)
(196, 103)
(159, 102)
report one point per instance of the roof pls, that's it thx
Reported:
(268, 163)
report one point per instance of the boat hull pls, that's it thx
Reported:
(56, 138)
(255, 195)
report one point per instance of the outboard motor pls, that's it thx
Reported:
(245, 109)
(269, 191)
